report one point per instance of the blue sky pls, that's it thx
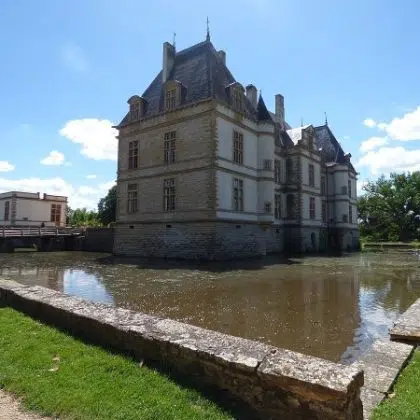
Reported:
(68, 69)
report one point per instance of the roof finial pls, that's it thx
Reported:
(326, 118)
(301, 122)
(208, 30)
(174, 42)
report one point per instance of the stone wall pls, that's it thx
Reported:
(274, 383)
(98, 240)
(200, 240)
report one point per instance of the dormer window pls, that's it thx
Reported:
(238, 100)
(235, 92)
(171, 98)
(136, 104)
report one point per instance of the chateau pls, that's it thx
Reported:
(206, 171)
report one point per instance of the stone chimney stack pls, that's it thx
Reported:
(280, 108)
(168, 60)
(222, 55)
(251, 94)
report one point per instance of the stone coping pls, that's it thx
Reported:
(272, 382)
(407, 326)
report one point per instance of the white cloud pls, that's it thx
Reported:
(360, 185)
(368, 122)
(53, 159)
(96, 137)
(372, 143)
(404, 129)
(74, 58)
(78, 196)
(5, 166)
(91, 176)
(389, 159)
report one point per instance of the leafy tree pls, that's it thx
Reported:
(107, 207)
(82, 217)
(390, 208)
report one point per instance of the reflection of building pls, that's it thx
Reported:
(23, 208)
(205, 170)
(52, 278)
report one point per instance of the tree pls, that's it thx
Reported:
(107, 207)
(390, 208)
(82, 217)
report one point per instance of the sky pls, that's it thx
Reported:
(68, 68)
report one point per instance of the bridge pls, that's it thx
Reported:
(39, 238)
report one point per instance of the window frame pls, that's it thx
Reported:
(277, 171)
(6, 215)
(55, 213)
(132, 198)
(311, 174)
(133, 154)
(350, 214)
(169, 194)
(238, 195)
(169, 147)
(268, 207)
(171, 98)
(312, 208)
(238, 147)
(277, 206)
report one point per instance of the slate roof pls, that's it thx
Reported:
(203, 75)
(295, 134)
(262, 111)
(331, 150)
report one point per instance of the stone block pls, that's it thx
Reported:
(407, 326)
(370, 399)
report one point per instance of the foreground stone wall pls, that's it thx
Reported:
(274, 383)
(98, 239)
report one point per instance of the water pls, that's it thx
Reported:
(328, 307)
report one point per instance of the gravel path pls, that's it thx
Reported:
(10, 409)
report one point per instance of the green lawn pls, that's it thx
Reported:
(59, 375)
(406, 402)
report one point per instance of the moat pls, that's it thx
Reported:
(327, 307)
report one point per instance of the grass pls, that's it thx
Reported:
(57, 375)
(405, 405)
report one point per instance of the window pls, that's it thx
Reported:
(267, 207)
(237, 100)
(238, 194)
(324, 212)
(350, 214)
(267, 164)
(55, 213)
(323, 185)
(289, 169)
(345, 218)
(169, 194)
(312, 207)
(169, 147)
(171, 98)
(290, 206)
(6, 210)
(311, 175)
(277, 171)
(349, 189)
(135, 111)
(277, 206)
(238, 147)
(131, 198)
(133, 154)
(344, 190)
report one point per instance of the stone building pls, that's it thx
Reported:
(205, 170)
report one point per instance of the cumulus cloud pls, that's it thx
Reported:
(54, 158)
(368, 122)
(406, 128)
(360, 185)
(91, 176)
(74, 58)
(96, 137)
(78, 196)
(372, 143)
(388, 159)
(5, 166)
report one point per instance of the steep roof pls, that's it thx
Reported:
(295, 134)
(262, 111)
(203, 75)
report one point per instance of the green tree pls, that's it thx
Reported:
(390, 208)
(107, 207)
(82, 217)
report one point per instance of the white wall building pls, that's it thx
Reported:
(31, 209)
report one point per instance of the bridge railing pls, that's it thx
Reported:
(12, 231)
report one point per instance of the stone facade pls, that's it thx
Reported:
(264, 381)
(243, 182)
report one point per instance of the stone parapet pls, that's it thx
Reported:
(274, 383)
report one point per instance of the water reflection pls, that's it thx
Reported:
(328, 307)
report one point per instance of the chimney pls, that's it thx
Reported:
(251, 94)
(280, 108)
(168, 60)
(222, 55)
